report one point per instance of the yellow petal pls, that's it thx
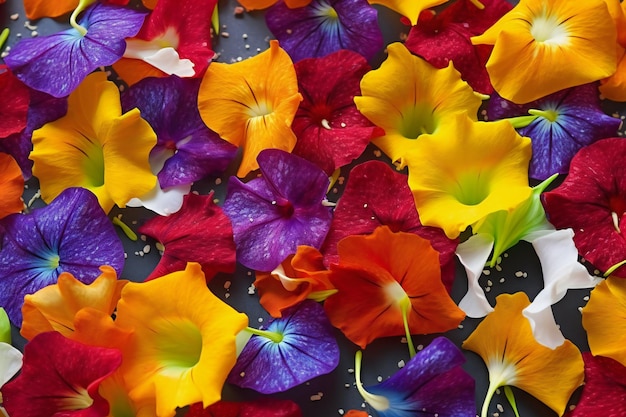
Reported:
(252, 103)
(409, 8)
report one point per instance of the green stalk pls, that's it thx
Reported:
(490, 391)
(378, 402)
(405, 304)
(127, 230)
(509, 396)
(4, 36)
(613, 268)
(273, 336)
(82, 5)
(521, 121)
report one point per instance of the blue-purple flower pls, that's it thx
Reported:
(72, 234)
(274, 214)
(56, 64)
(326, 26)
(293, 349)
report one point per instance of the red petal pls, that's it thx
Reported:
(14, 100)
(258, 408)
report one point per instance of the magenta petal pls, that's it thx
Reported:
(60, 377)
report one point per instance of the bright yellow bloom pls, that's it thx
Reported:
(541, 47)
(411, 99)
(604, 319)
(505, 342)
(252, 103)
(467, 171)
(95, 146)
(409, 8)
(183, 345)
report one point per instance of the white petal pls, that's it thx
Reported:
(10, 362)
(561, 271)
(162, 201)
(473, 254)
(165, 58)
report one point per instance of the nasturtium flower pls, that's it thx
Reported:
(54, 308)
(95, 146)
(60, 377)
(11, 186)
(186, 150)
(604, 317)
(505, 342)
(410, 99)
(252, 103)
(566, 121)
(72, 234)
(183, 345)
(291, 350)
(331, 131)
(174, 39)
(199, 232)
(273, 214)
(543, 47)
(115, 390)
(58, 63)
(326, 26)
(264, 407)
(389, 284)
(467, 171)
(431, 383)
(376, 195)
(592, 202)
(13, 104)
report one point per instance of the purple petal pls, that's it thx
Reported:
(310, 32)
(56, 64)
(308, 349)
(190, 149)
(72, 234)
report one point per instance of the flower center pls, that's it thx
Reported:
(179, 345)
(54, 261)
(78, 399)
(326, 11)
(471, 189)
(260, 109)
(547, 29)
(93, 166)
(417, 120)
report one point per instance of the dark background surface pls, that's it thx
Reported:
(332, 394)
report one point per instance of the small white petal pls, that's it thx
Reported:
(473, 254)
(10, 362)
(162, 201)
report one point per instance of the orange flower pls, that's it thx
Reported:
(36, 9)
(11, 186)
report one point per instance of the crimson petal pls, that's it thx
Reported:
(259, 408)
(14, 99)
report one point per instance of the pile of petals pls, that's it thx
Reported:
(348, 176)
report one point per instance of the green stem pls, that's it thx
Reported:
(405, 304)
(509, 396)
(215, 21)
(273, 336)
(521, 121)
(4, 36)
(378, 402)
(127, 230)
(490, 391)
(613, 268)
(478, 4)
(549, 115)
(82, 5)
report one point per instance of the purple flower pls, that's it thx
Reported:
(56, 64)
(326, 26)
(72, 234)
(275, 213)
(568, 120)
(293, 349)
(186, 149)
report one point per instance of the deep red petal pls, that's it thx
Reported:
(258, 408)
(14, 100)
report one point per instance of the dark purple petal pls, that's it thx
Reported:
(72, 234)
(189, 149)
(326, 26)
(56, 64)
(308, 349)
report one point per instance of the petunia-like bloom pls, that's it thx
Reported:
(186, 150)
(387, 281)
(71, 234)
(264, 407)
(326, 26)
(199, 232)
(505, 342)
(543, 47)
(376, 195)
(592, 202)
(14, 101)
(299, 277)
(566, 121)
(274, 214)
(58, 63)
(252, 103)
(431, 383)
(184, 341)
(95, 146)
(467, 171)
(603, 319)
(410, 99)
(443, 37)
(291, 350)
(60, 376)
(174, 39)
(331, 131)
(604, 392)
(54, 308)
(11, 186)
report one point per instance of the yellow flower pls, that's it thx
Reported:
(467, 171)
(411, 99)
(252, 103)
(95, 146)
(505, 342)
(541, 47)
(604, 319)
(183, 345)
(409, 8)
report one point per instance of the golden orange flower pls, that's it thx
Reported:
(11, 186)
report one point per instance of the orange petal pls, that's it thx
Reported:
(11, 186)
(36, 9)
